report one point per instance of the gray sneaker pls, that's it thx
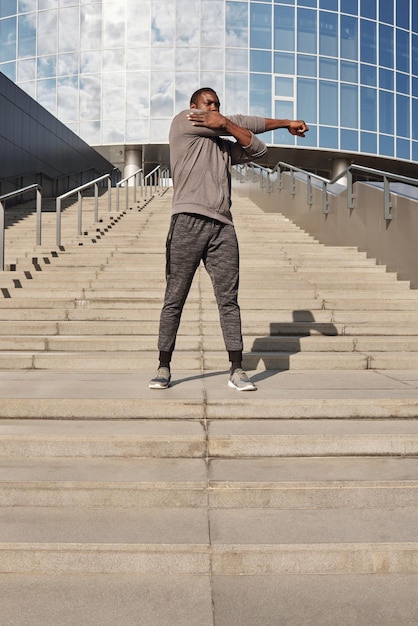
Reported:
(161, 380)
(240, 381)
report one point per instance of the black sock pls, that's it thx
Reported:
(235, 356)
(165, 359)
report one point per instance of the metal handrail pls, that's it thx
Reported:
(78, 191)
(11, 194)
(122, 182)
(154, 181)
(348, 174)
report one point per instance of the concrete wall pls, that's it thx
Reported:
(33, 141)
(391, 242)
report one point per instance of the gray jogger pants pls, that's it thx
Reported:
(191, 239)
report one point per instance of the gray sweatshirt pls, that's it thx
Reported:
(201, 163)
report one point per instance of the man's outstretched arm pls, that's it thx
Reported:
(295, 127)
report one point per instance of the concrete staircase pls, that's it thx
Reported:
(293, 505)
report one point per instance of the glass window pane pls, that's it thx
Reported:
(349, 104)
(235, 59)
(138, 31)
(212, 14)
(47, 67)
(236, 32)
(284, 63)
(349, 6)
(386, 112)
(47, 94)
(283, 87)
(27, 35)
(284, 28)
(368, 75)
(386, 79)
(67, 95)
(137, 95)
(349, 37)
(402, 116)
(260, 61)
(9, 70)
(385, 46)
(260, 26)
(306, 100)
(328, 34)
(7, 7)
(402, 50)
(368, 108)
(187, 24)
(307, 65)
(402, 83)
(328, 137)
(368, 142)
(8, 39)
(368, 8)
(328, 68)
(26, 70)
(69, 34)
(349, 140)
(328, 103)
(403, 149)
(386, 145)
(402, 13)
(414, 118)
(236, 90)
(349, 72)
(90, 97)
(162, 25)
(331, 5)
(47, 25)
(91, 28)
(162, 94)
(368, 41)
(308, 3)
(260, 95)
(386, 11)
(306, 30)
(283, 110)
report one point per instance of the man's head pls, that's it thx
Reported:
(205, 99)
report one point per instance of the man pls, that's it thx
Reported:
(201, 226)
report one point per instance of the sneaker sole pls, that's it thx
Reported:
(158, 386)
(247, 388)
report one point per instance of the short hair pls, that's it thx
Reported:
(198, 92)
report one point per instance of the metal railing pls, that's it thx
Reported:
(153, 177)
(78, 190)
(123, 182)
(12, 194)
(268, 177)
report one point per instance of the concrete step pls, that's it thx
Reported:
(176, 540)
(260, 482)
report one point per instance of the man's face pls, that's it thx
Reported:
(207, 101)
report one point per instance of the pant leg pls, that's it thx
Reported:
(222, 264)
(186, 244)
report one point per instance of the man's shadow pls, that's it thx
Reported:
(276, 349)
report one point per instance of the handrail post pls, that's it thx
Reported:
(350, 194)
(80, 212)
(126, 195)
(38, 216)
(2, 220)
(386, 195)
(117, 197)
(325, 203)
(109, 194)
(293, 186)
(309, 191)
(96, 203)
(58, 224)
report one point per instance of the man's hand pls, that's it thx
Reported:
(209, 119)
(298, 128)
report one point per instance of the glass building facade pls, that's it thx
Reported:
(117, 71)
